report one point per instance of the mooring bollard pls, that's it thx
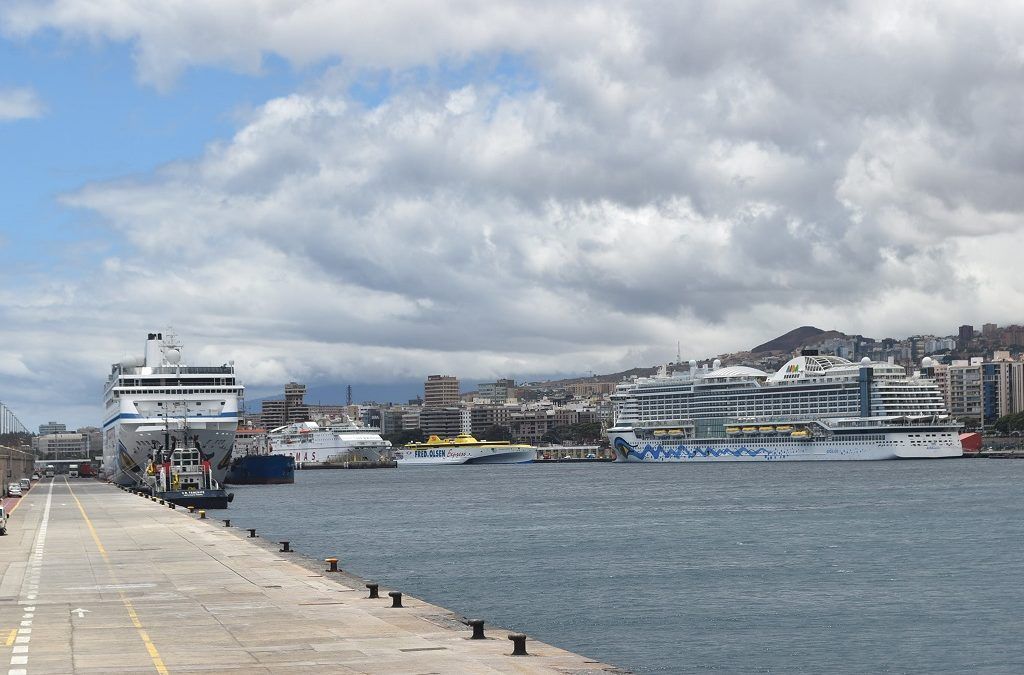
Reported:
(285, 547)
(191, 509)
(332, 564)
(172, 505)
(252, 532)
(373, 590)
(396, 598)
(202, 514)
(478, 629)
(162, 502)
(227, 522)
(518, 644)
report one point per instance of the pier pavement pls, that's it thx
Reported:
(98, 580)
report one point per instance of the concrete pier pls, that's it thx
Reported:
(97, 580)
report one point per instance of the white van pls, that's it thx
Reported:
(3, 519)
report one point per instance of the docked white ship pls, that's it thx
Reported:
(156, 403)
(309, 442)
(464, 449)
(814, 408)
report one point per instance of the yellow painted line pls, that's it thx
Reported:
(10, 636)
(154, 654)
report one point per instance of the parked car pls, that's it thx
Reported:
(35, 476)
(13, 490)
(3, 520)
(25, 484)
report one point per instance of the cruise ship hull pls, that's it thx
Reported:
(127, 451)
(894, 446)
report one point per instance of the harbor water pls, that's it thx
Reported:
(797, 567)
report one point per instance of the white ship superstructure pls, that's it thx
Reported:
(331, 442)
(156, 403)
(814, 408)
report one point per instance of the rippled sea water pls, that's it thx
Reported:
(849, 567)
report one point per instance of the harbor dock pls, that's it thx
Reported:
(95, 579)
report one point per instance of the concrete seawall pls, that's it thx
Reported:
(97, 580)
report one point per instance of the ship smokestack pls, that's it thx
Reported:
(153, 355)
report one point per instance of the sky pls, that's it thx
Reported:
(338, 192)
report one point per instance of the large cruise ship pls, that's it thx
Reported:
(155, 402)
(309, 442)
(814, 408)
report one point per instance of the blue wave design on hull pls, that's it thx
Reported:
(682, 452)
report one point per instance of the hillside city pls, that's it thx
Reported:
(980, 374)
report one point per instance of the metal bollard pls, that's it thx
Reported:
(252, 532)
(172, 505)
(518, 644)
(396, 598)
(332, 564)
(373, 590)
(191, 509)
(202, 514)
(478, 629)
(285, 547)
(162, 502)
(227, 522)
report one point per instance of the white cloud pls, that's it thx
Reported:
(19, 104)
(669, 172)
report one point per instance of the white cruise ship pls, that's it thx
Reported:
(814, 408)
(309, 442)
(155, 403)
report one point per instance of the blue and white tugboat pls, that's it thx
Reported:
(185, 478)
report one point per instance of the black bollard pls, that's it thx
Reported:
(478, 629)
(227, 522)
(285, 547)
(373, 590)
(396, 598)
(191, 509)
(252, 532)
(172, 505)
(332, 564)
(518, 644)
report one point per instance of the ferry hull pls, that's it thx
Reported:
(895, 446)
(466, 456)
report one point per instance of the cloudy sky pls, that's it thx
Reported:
(341, 191)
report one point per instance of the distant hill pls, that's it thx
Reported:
(795, 339)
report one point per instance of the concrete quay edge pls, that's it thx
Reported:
(119, 583)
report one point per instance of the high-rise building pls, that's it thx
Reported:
(445, 422)
(966, 334)
(440, 390)
(52, 428)
(497, 392)
(292, 409)
(965, 388)
(989, 330)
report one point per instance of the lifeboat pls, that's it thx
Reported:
(784, 428)
(766, 430)
(660, 432)
(801, 433)
(750, 430)
(732, 430)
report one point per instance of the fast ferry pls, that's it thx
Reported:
(815, 407)
(333, 441)
(464, 449)
(155, 403)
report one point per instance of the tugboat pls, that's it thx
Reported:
(186, 479)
